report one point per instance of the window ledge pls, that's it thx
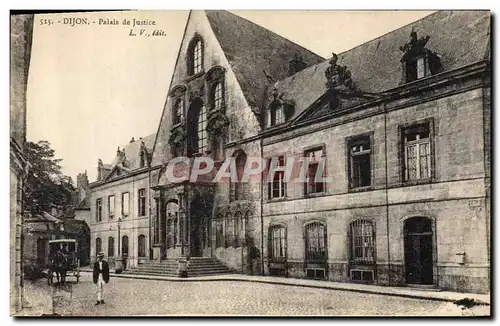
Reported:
(275, 200)
(315, 194)
(413, 183)
(361, 189)
(189, 78)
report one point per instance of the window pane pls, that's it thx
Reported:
(201, 130)
(111, 207)
(125, 204)
(218, 96)
(420, 68)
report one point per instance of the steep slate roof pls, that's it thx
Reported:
(132, 151)
(459, 37)
(251, 48)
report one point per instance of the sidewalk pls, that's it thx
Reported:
(353, 287)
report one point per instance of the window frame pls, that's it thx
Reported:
(141, 245)
(349, 143)
(201, 127)
(111, 214)
(141, 207)
(98, 212)
(363, 259)
(307, 150)
(194, 69)
(282, 188)
(402, 149)
(307, 241)
(127, 204)
(98, 245)
(111, 246)
(283, 245)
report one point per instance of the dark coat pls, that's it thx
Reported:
(105, 272)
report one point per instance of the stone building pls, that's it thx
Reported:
(399, 125)
(119, 204)
(21, 31)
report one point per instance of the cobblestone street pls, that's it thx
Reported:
(148, 297)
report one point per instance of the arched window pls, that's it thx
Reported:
(195, 57)
(202, 130)
(316, 246)
(111, 247)
(178, 110)
(98, 246)
(141, 241)
(217, 96)
(125, 245)
(362, 242)
(277, 243)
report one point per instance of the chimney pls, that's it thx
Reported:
(295, 65)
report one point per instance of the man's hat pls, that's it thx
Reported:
(100, 254)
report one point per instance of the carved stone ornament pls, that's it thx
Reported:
(177, 138)
(414, 46)
(178, 91)
(217, 124)
(197, 93)
(338, 77)
(215, 74)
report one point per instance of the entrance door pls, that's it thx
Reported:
(418, 250)
(196, 239)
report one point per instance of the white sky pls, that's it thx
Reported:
(92, 88)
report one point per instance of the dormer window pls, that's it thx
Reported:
(416, 69)
(418, 61)
(195, 57)
(178, 110)
(277, 115)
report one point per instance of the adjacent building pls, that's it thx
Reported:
(21, 31)
(400, 125)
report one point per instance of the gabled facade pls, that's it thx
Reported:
(402, 122)
(119, 204)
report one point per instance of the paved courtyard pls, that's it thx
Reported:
(148, 297)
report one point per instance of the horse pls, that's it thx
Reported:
(58, 265)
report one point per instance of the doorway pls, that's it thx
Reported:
(418, 246)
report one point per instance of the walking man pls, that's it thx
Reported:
(100, 276)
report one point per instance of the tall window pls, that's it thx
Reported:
(178, 110)
(277, 114)
(217, 96)
(98, 210)
(315, 242)
(142, 202)
(276, 188)
(111, 247)
(141, 241)
(125, 245)
(362, 242)
(195, 58)
(219, 234)
(360, 162)
(202, 130)
(125, 203)
(315, 160)
(278, 242)
(417, 152)
(111, 206)
(98, 245)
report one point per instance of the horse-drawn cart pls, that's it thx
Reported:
(63, 260)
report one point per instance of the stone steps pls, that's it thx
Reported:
(198, 266)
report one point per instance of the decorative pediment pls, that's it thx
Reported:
(415, 47)
(215, 74)
(117, 171)
(217, 123)
(338, 77)
(177, 91)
